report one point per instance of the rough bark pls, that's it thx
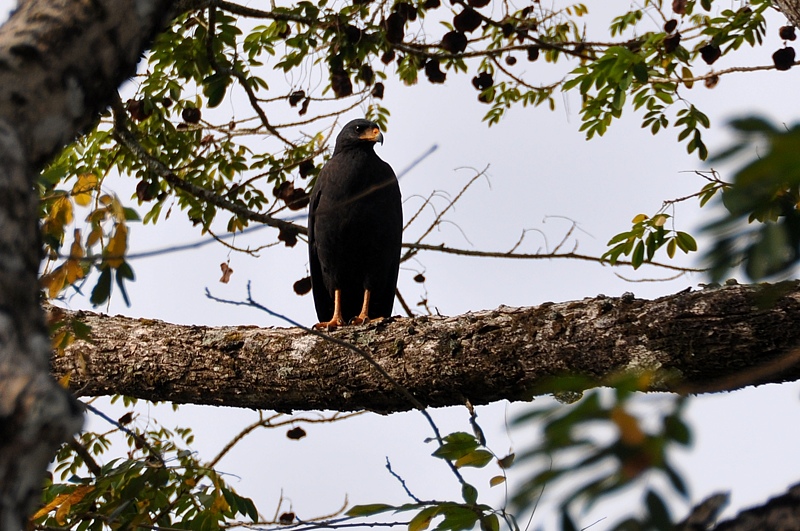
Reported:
(778, 513)
(790, 8)
(699, 341)
(60, 63)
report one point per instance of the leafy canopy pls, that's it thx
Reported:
(295, 68)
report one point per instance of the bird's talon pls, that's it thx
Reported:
(359, 320)
(330, 326)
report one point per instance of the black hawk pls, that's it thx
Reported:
(355, 225)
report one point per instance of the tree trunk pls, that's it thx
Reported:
(60, 63)
(703, 341)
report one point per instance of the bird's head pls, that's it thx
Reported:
(358, 133)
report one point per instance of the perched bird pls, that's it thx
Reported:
(355, 225)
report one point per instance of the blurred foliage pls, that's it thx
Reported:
(461, 450)
(587, 447)
(760, 228)
(600, 446)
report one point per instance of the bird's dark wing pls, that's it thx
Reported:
(384, 212)
(323, 302)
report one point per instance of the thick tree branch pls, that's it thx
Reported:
(780, 512)
(701, 341)
(790, 8)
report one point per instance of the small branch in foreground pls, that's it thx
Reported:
(267, 423)
(442, 248)
(401, 480)
(361, 352)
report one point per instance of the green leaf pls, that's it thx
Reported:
(638, 255)
(214, 87)
(469, 494)
(753, 124)
(677, 430)
(456, 445)
(671, 247)
(102, 290)
(619, 237)
(370, 509)
(124, 272)
(249, 508)
(640, 72)
(422, 519)
(677, 481)
(476, 459)
(131, 214)
(457, 518)
(490, 523)
(659, 514)
(686, 242)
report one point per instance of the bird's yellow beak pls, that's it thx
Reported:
(373, 135)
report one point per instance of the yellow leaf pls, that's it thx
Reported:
(64, 380)
(64, 502)
(660, 219)
(62, 512)
(53, 281)
(62, 339)
(73, 265)
(61, 211)
(497, 480)
(94, 237)
(220, 505)
(639, 218)
(82, 191)
(686, 74)
(629, 431)
(117, 210)
(422, 519)
(115, 250)
(76, 251)
(476, 458)
(74, 271)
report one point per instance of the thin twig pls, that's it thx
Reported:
(138, 438)
(413, 247)
(402, 481)
(267, 423)
(84, 454)
(240, 77)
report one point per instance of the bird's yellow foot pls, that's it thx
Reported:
(359, 319)
(333, 324)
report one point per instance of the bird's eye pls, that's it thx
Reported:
(359, 128)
